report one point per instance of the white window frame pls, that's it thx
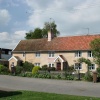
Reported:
(79, 67)
(37, 54)
(92, 67)
(78, 54)
(51, 54)
(51, 64)
(90, 54)
(24, 54)
(9, 52)
(37, 64)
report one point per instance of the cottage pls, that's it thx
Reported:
(58, 52)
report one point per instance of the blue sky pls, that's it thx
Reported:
(72, 17)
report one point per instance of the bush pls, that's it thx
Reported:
(35, 69)
(53, 68)
(98, 71)
(88, 77)
(19, 69)
(27, 66)
(58, 76)
(3, 69)
(70, 77)
(36, 75)
(29, 74)
(44, 67)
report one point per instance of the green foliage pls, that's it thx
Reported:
(35, 69)
(88, 77)
(30, 95)
(27, 66)
(70, 68)
(98, 71)
(52, 68)
(43, 33)
(28, 74)
(95, 47)
(19, 69)
(86, 61)
(3, 69)
(58, 76)
(44, 67)
(36, 34)
(70, 77)
(50, 26)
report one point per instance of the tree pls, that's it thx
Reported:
(43, 33)
(37, 33)
(95, 47)
(50, 27)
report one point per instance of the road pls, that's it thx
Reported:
(81, 88)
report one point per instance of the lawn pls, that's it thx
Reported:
(29, 95)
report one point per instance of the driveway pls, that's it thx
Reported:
(51, 86)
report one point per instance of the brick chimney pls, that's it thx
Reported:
(50, 35)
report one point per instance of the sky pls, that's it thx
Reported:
(72, 17)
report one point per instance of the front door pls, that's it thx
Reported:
(58, 66)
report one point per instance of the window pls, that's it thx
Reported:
(78, 66)
(92, 67)
(23, 54)
(37, 64)
(51, 54)
(51, 65)
(37, 54)
(90, 54)
(9, 52)
(78, 54)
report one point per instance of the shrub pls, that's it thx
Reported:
(19, 69)
(88, 77)
(70, 77)
(58, 76)
(27, 66)
(53, 68)
(35, 69)
(36, 75)
(44, 67)
(3, 69)
(28, 74)
(98, 71)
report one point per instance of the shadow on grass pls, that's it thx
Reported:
(9, 93)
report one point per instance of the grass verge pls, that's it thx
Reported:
(29, 95)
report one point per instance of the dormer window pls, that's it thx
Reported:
(78, 54)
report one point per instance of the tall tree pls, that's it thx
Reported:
(37, 33)
(95, 47)
(50, 26)
(43, 33)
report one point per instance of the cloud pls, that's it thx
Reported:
(11, 40)
(71, 17)
(12, 3)
(4, 17)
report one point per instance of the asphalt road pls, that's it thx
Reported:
(10, 83)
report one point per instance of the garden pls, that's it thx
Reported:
(29, 70)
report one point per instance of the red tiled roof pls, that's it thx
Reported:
(69, 43)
